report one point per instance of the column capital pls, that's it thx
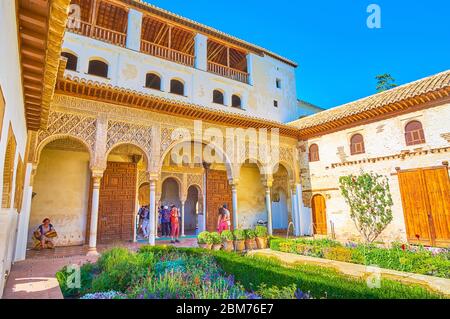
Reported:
(233, 182)
(152, 176)
(267, 181)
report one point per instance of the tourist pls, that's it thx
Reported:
(224, 222)
(44, 234)
(145, 221)
(141, 214)
(165, 222)
(175, 224)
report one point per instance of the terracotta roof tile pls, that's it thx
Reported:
(401, 93)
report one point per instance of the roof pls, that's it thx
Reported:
(402, 97)
(93, 90)
(313, 106)
(205, 29)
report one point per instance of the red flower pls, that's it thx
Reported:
(417, 236)
(403, 247)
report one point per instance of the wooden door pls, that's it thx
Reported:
(117, 202)
(425, 196)
(218, 192)
(319, 215)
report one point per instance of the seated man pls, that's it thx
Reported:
(44, 234)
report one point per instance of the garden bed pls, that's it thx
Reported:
(401, 257)
(171, 273)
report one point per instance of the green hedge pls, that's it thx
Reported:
(252, 272)
(400, 258)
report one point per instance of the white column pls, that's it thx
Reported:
(268, 186)
(204, 205)
(201, 54)
(295, 212)
(24, 217)
(234, 199)
(182, 217)
(250, 68)
(134, 30)
(158, 203)
(302, 218)
(96, 180)
(152, 209)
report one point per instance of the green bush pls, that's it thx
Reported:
(399, 257)
(261, 231)
(86, 275)
(239, 234)
(204, 238)
(215, 238)
(249, 234)
(120, 268)
(227, 235)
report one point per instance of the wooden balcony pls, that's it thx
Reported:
(166, 53)
(227, 72)
(100, 33)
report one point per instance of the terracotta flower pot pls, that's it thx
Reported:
(249, 244)
(261, 242)
(217, 247)
(205, 246)
(228, 245)
(239, 245)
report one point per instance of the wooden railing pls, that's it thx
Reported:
(100, 33)
(227, 72)
(166, 53)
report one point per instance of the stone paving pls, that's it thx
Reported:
(34, 278)
(438, 284)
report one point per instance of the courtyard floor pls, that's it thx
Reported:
(35, 277)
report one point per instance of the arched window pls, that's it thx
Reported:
(176, 87)
(72, 61)
(357, 144)
(218, 97)
(314, 153)
(236, 101)
(153, 81)
(98, 68)
(414, 133)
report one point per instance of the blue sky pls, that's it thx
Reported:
(338, 55)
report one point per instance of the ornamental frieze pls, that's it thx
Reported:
(122, 132)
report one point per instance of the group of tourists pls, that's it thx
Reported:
(168, 219)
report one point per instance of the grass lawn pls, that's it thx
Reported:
(171, 273)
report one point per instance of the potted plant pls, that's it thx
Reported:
(227, 240)
(239, 240)
(249, 239)
(261, 237)
(204, 240)
(216, 241)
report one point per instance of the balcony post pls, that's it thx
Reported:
(250, 68)
(134, 30)
(201, 52)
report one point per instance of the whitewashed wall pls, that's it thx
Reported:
(127, 69)
(382, 138)
(11, 85)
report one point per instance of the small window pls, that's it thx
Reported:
(98, 68)
(176, 87)
(357, 144)
(314, 153)
(414, 134)
(275, 103)
(278, 83)
(218, 97)
(153, 81)
(72, 61)
(236, 101)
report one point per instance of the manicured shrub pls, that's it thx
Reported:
(204, 238)
(65, 282)
(249, 234)
(227, 235)
(261, 231)
(239, 234)
(400, 257)
(215, 238)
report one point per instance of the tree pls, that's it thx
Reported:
(385, 82)
(370, 202)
